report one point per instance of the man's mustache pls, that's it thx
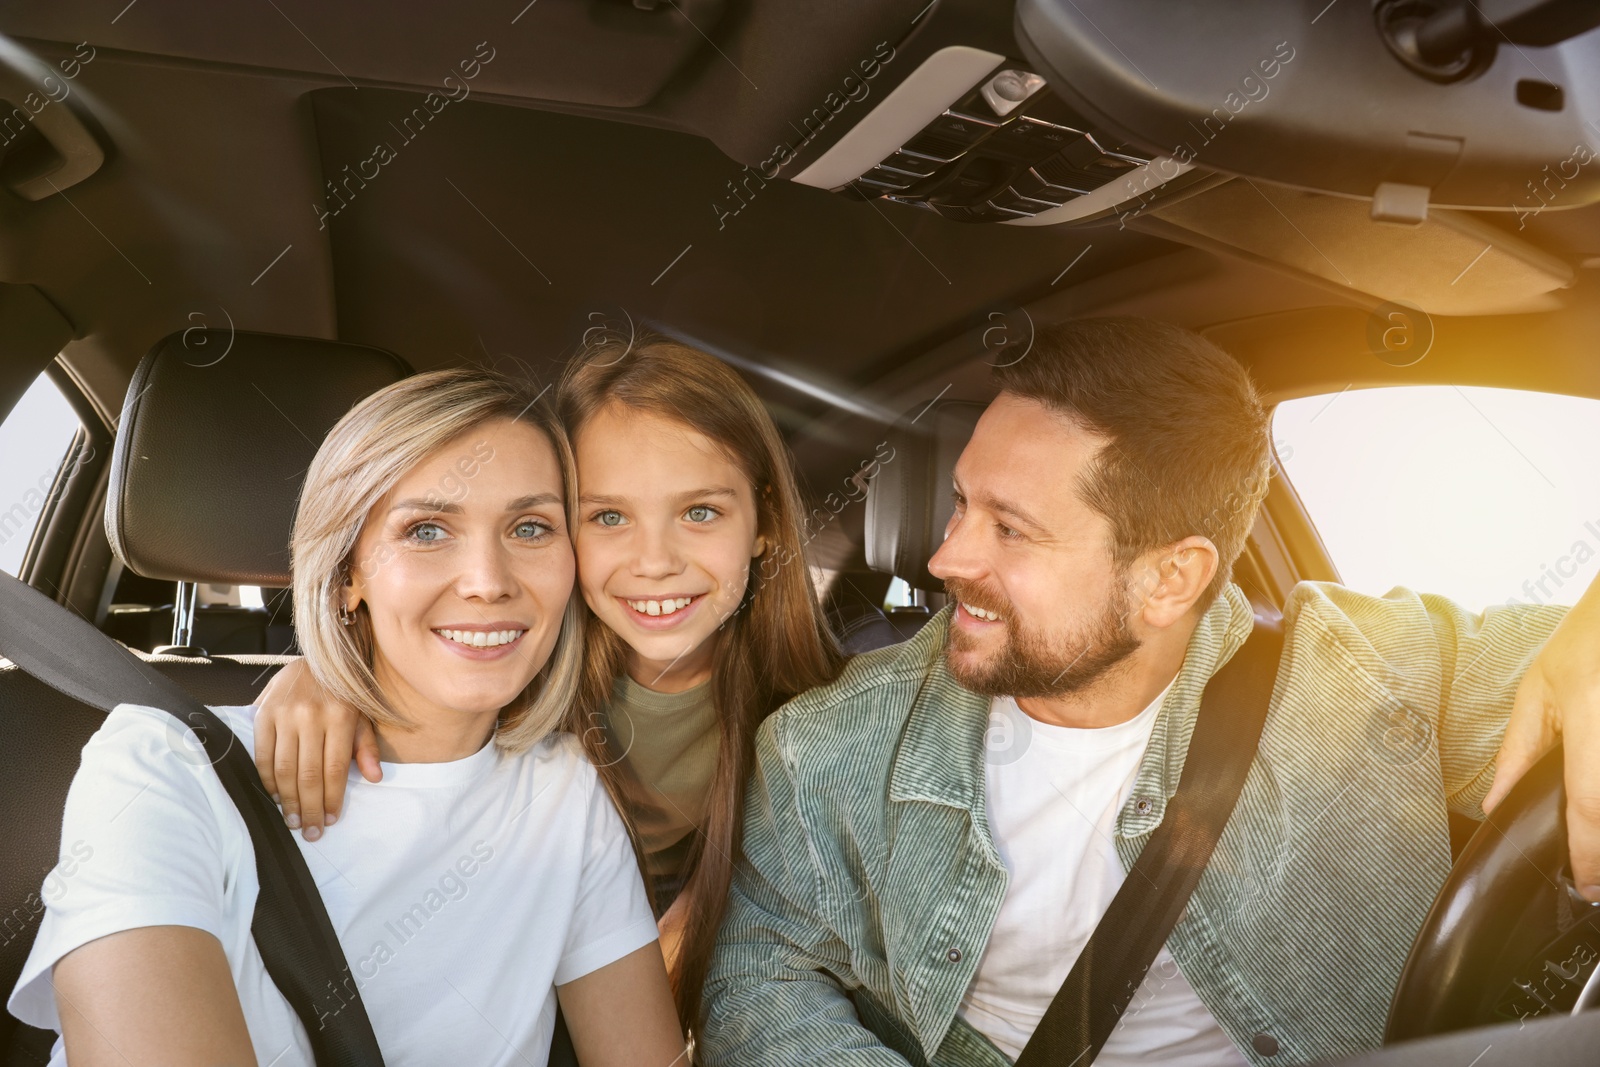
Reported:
(969, 592)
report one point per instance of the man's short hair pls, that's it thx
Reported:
(1188, 442)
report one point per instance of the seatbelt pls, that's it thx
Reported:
(291, 927)
(1125, 942)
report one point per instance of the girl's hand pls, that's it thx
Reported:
(304, 743)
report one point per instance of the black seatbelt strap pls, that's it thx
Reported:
(1125, 942)
(291, 927)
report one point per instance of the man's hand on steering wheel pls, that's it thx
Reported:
(1559, 702)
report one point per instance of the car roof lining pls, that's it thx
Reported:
(205, 214)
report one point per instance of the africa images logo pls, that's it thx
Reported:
(853, 88)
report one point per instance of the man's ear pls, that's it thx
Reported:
(1169, 582)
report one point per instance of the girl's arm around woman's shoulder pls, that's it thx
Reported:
(304, 742)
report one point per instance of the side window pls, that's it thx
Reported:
(1487, 496)
(34, 441)
(899, 594)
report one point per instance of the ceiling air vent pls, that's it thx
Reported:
(1005, 149)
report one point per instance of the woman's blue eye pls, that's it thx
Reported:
(531, 530)
(700, 513)
(426, 532)
(609, 518)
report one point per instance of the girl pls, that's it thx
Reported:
(485, 878)
(689, 545)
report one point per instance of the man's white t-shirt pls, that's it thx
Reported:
(461, 892)
(1053, 798)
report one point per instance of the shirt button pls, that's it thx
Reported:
(1142, 806)
(954, 955)
(1265, 1044)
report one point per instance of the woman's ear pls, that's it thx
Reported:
(760, 547)
(350, 592)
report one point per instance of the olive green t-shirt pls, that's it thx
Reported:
(667, 744)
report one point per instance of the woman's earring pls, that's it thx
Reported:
(347, 616)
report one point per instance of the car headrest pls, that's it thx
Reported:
(908, 500)
(216, 434)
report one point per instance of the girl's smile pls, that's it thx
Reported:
(662, 612)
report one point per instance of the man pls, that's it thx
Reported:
(931, 840)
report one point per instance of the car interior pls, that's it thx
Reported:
(222, 225)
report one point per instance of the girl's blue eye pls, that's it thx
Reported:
(609, 518)
(425, 532)
(700, 513)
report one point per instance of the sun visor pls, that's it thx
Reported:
(1451, 264)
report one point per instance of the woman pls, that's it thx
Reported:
(690, 554)
(486, 878)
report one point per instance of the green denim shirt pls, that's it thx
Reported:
(869, 879)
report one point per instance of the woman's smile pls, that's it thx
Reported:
(480, 641)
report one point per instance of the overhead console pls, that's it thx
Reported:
(1483, 105)
(978, 137)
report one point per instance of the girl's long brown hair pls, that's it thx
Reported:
(776, 645)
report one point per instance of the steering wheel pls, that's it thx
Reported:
(1508, 938)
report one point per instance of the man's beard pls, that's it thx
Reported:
(1029, 665)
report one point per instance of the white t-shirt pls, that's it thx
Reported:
(461, 892)
(1053, 798)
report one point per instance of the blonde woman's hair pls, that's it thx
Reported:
(364, 456)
